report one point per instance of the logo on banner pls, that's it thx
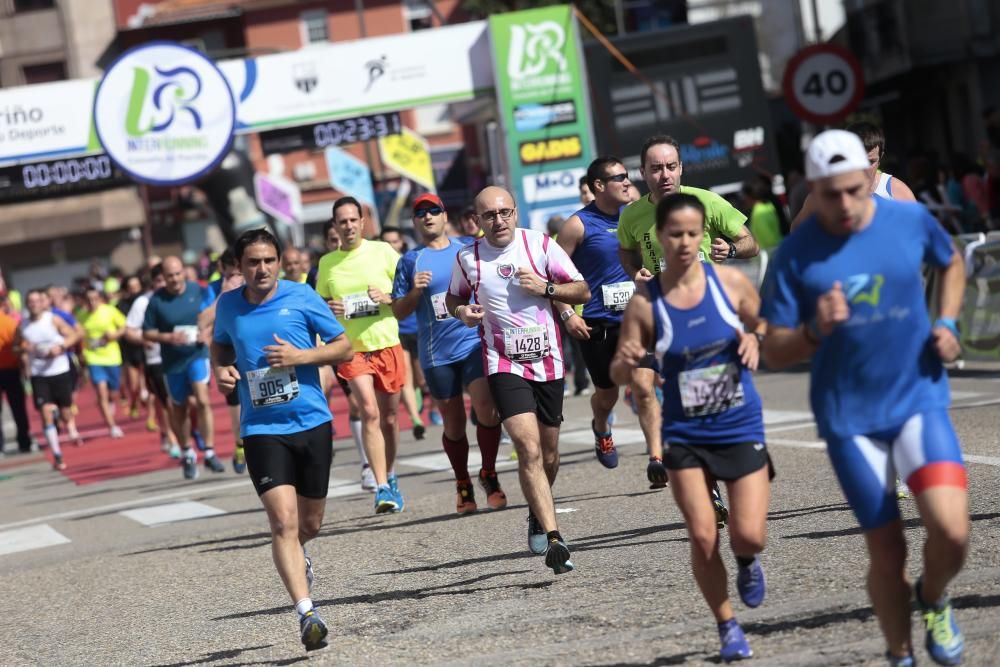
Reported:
(552, 185)
(529, 117)
(376, 70)
(533, 46)
(305, 76)
(165, 114)
(704, 153)
(551, 150)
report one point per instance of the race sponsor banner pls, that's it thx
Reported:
(46, 121)
(541, 85)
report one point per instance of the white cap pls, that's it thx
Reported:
(835, 152)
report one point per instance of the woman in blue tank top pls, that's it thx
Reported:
(696, 319)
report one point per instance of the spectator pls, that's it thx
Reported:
(11, 385)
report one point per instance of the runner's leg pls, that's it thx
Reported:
(945, 514)
(644, 393)
(388, 410)
(281, 504)
(748, 500)
(531, 469)
(363, 389)
(887, 585)
(602, 402)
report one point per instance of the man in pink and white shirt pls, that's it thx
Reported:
(512, 276)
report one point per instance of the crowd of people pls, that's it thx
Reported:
(481, 307)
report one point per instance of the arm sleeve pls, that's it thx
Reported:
(403, 282)
(725, 219)
(780, 294)
(220, 332)
(938, 247)
(322, 321)
(459, 285)
(322, 286)
(561, 267)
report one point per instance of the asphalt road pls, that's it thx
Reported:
(428, 587)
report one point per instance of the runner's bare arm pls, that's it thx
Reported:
(901, 191)
(569, 239)
(746, 300)
(69, 334)
(952, 289)
(746, 244)
(404, 306)
(632, 263)
(635, 337)
(206, 321)
(223, 360)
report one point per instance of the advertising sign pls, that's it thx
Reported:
(164, 113)
(350, 175)
(278, 197)
(46, 121)
(59, 178)
(409, 155)
(541, 85)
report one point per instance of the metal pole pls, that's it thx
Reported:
(817, 31)
(147, 222)
(620, 16)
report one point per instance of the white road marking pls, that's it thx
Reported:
(344, 487)
(565, 510)
(786, 416)
(32, 537)
(171, 513)
(439, 462)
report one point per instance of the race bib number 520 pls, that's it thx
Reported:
(526, 343)
(271, 386)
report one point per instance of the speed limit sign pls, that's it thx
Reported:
(823, 83)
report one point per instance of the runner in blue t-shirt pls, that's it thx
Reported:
(845, 291)
(264, 346)
(450, 352)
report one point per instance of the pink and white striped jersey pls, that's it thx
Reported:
(519, 332)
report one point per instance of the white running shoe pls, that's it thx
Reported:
(116, 432)
(902, 490)
(368, 479)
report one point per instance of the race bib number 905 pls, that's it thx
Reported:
(359, 305)
(711, 390)
(526, 343)
(271, 386)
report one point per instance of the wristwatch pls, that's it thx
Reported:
(566, 314)
(550, 289)
(732, 249)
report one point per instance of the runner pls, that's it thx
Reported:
(449, 352)
(264, 347)
(356, 281)
(514, 275)
(12, 384)
(103, 325)
(293, 264)
(43, 340)
(172, 321)
(694, 316)
(132, 357)
(879, 391)
(589, 238)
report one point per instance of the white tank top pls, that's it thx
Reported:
(43, 335)
(883, 188)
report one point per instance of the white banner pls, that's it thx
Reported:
(46, 121)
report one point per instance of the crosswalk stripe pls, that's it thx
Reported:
(439, 462)
(30, 537)
(344, 487)
(171, 512)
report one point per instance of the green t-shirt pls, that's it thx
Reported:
(765, 225)
(637, 226)
(346, 275)
(104, 320)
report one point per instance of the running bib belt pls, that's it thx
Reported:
(270, 386)
(526, 343)
(359, 305)
(616, 295)
(190, 332)
(711, 390)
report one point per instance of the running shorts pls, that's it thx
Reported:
(599, 350)
(233, 398)
(513, 395)
(298, 459)
(155, 382)
(446, 381)
(923, 452)
(109, 375)
(133, 355)
(55, 389)
(409, 343)
(387, 366)
(723, 462)
(179, 384)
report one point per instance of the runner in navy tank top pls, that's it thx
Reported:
(696, 318)
(590, 238)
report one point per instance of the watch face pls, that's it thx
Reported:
(550, 289)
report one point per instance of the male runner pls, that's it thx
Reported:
(293, 265)
(878, 388)
(590, 238)
(103, 325)
(264, 346)
(172, 321)
(514, 276)
(356, 281)
(44, 338)
(449, 352)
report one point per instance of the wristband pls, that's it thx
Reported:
(457, 308)
(949, 324)
(566, 314)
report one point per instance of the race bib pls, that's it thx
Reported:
(359, 305)
(271, 386)
(708, 391)
(616, 295)
(440, 309)
(526, 343)
(190, 332)
(95, 343)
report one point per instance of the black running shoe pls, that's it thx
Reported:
(313, 631)
(557, 556)
(721, 511)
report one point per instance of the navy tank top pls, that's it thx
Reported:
(597, 259)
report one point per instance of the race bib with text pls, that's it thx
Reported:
(615, 296)
(711, 390)
(526, 343)
(359, 305)
(271, 386)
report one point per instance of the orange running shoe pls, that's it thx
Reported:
(466, 503)
(495, 497)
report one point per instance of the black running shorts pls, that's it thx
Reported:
(233, 397)
(298, 459)
(155, 382)
(56, 389)
(599, 350)
(723, 462)
(513, 395)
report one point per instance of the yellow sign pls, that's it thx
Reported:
(410, 156)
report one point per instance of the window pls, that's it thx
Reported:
(32, 5)
(418, 14)
(314, 27)
(44, 72)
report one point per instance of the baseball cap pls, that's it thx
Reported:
(835, 152)
(427, 198)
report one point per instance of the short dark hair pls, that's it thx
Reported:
(676, 202)
(228, 258)
(388, 230)
(656, 140)
(156, 271)
(871, 135)
(37, 290)
(327, 226)
(347, 201)
(262, 235)
(598, 169)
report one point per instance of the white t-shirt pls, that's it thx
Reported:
(134, 319)
(520, 333)
(43, 335)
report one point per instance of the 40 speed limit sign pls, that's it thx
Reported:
(823, 83)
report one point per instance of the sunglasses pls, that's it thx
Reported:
(433, 210)
(617, 178)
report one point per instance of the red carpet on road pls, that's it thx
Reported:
(101, 458)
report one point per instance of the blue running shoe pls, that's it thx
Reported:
(734, 642)
(604, 448)
(313, 631)
(385, 500)
(199, 441)
(900, 661)
(751, 583)
(394, 485)
(189, 462)
(239, 460)
(944, 642)
(436, 418)
(557, 556)
(537, 540)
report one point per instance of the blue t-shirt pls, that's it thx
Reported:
(167, 312)
(879, 368)
(213, 290)
(297, 314)
(408, 325)
(597, 259)
(441, 338)
(64, 316)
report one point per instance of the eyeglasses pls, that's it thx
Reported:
(617, 178)
(491, 216)
(423, 212)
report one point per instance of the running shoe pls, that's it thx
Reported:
(151, 424)
(134, 413)
(944, 642)
(214, 464)
(385, 500)
(466, 501)
(734, 642)
(309, 569)
(368, 478)
(537, 541)
(175, 451)
(900, 661)
(557, 556)
(902, 490)
(239, 460)
(496, 499)
(604, 448)
(116, 432)
(436, 418)
(394, 485)
(419, 430)
(57, 463)
(189, 461)
(199, 441)
(751, 584)
(77, 439)
(313, 630)
(721, 511)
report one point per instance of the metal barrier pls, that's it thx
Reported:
(754, 268)
(980, 318)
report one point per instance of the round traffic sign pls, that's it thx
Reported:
(823, 83)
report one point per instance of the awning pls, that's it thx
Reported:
(120, 208)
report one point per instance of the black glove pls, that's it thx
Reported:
(656, 472)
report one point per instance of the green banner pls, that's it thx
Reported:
(541, 84)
